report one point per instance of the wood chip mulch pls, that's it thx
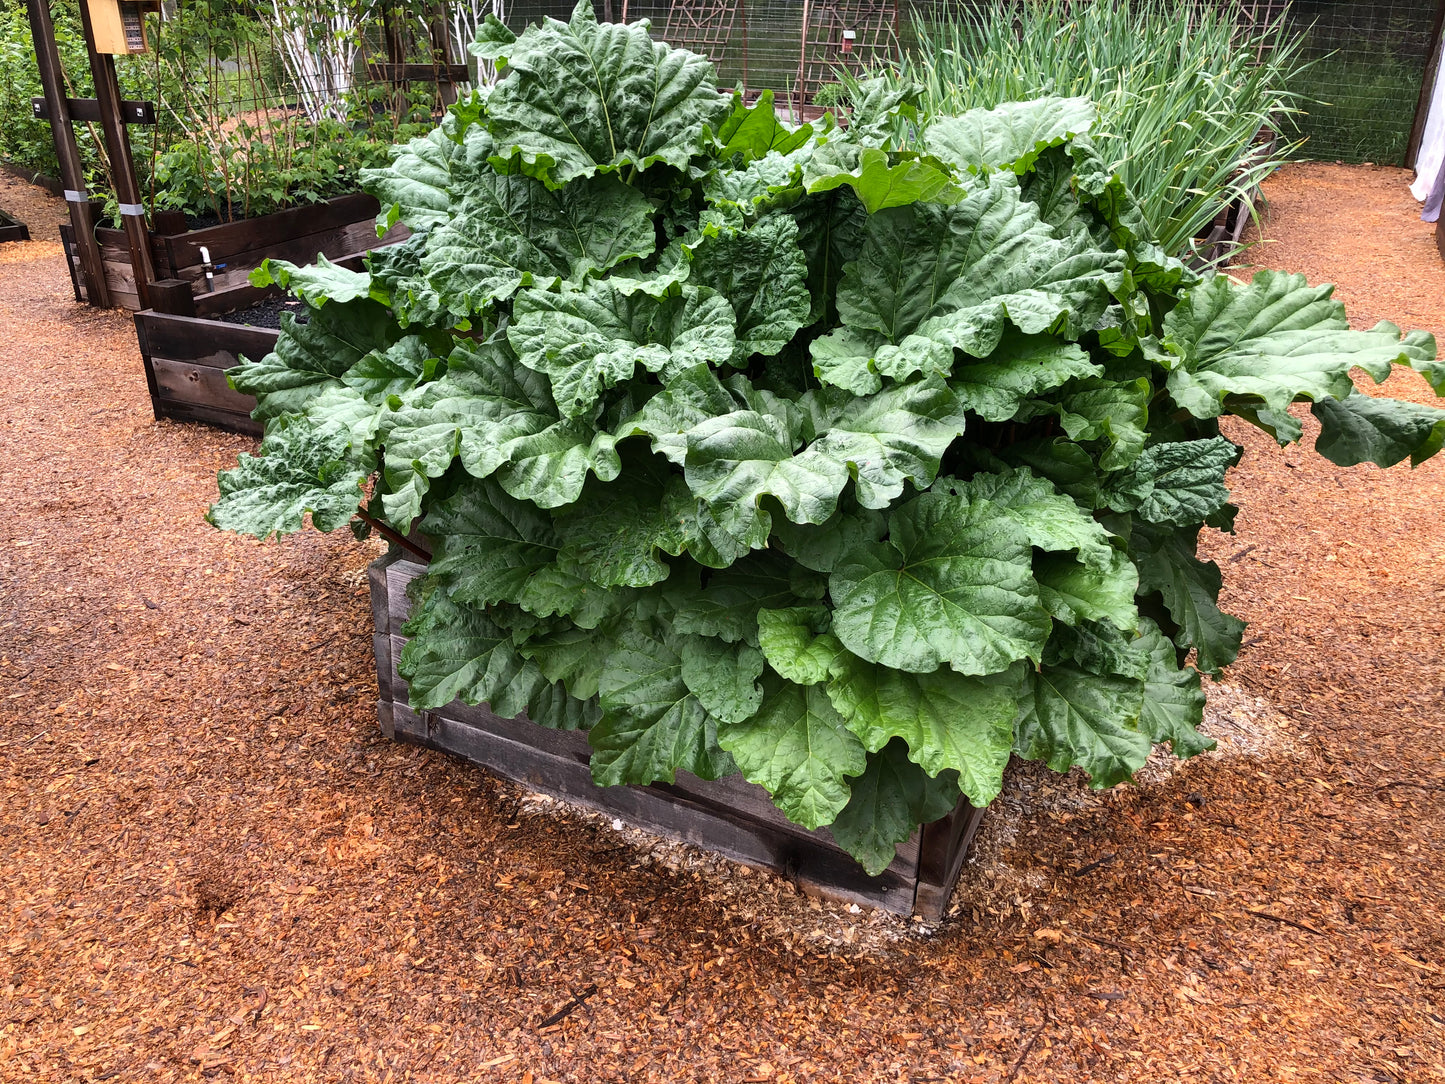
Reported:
(212, 867)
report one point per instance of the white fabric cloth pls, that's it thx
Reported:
(1432, 146)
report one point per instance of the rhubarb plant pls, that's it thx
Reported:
(853, 469)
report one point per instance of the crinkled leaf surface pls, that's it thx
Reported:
(1069, 717)
(1047, 518)
(592, 339)
(312, 356)
(949, 722)
(1190, 588)
(510, 231)
(459, 653)
(303, 468)
(798, 747)
(1010, 136)
(1072, 591)
(887, 803)
(1363, 429)
(1180, 482)
(723, 677)
(1173, 704)
(886, 439)
(1273, 341)
(793, 647)
(952, 585)
(760, 270)
(582, 97)
(1019, 367)
(652, 725)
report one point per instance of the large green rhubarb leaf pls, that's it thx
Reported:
(948, 721)
(459, 653)
(1069, 717)
(616, 533)
(595, 338)
(486, 546)
(953, 584)
(480, 411)
(582, 98)
(798, 747)
(1048, 519)
(882, 180)
(1178, 483)
(313, 356)
(736, 460)
(794, 648)
(1010, 136)
(723, 677)
(1362, 429)
(303, 468)
(1273, 342)
(931, 280)
(761, 271)
(419, 181)
(751, 131)
(1021, 366)
(727, 608)
(887, 803)
(1190, 588)
(511, 232)
(1173, 698)
(1073, 592)
(895, 436)
(652, 724)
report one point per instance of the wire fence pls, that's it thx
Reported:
(1368, 57)
(276, 102)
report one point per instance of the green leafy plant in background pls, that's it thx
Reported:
(790, 452)
(1183, 94)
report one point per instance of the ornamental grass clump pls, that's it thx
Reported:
(1184, 91)
(784, 451)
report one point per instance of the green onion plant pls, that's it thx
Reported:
(1190, 100)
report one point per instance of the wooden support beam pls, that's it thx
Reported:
(122, 167)
(52, 80)
(88, 109)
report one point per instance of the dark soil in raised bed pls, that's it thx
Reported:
(267, 313)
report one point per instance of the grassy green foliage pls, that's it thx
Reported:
(851, 468)
(1181, 98)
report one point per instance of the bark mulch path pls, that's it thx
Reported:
(215, 869)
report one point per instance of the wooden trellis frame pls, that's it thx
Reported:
(706, 27)
(851, 34)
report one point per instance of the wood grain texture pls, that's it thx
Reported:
(730, 816)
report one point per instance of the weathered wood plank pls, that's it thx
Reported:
(731, 816)
(172, 410)
(669, 812)
(200, 385)
(230, 239)
(183, 338)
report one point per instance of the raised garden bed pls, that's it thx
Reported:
(186, 359)
(729, 816)
(11, 229)
(339, 227)
(185, 345)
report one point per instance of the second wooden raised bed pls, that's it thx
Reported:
(730, 816)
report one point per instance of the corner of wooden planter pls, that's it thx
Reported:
(728, 816)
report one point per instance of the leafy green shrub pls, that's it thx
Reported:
(1182, 93)
(781, 451)
(256, 168)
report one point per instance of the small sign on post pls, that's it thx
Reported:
(119, 25)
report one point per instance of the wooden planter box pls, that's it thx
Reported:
(340, 227)
(186, 354)
(186, 359)
(729, 816)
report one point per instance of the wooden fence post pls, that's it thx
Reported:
(72, 175)
(122, 166)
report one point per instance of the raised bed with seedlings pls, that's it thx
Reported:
(784, 454)
(191, 334)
